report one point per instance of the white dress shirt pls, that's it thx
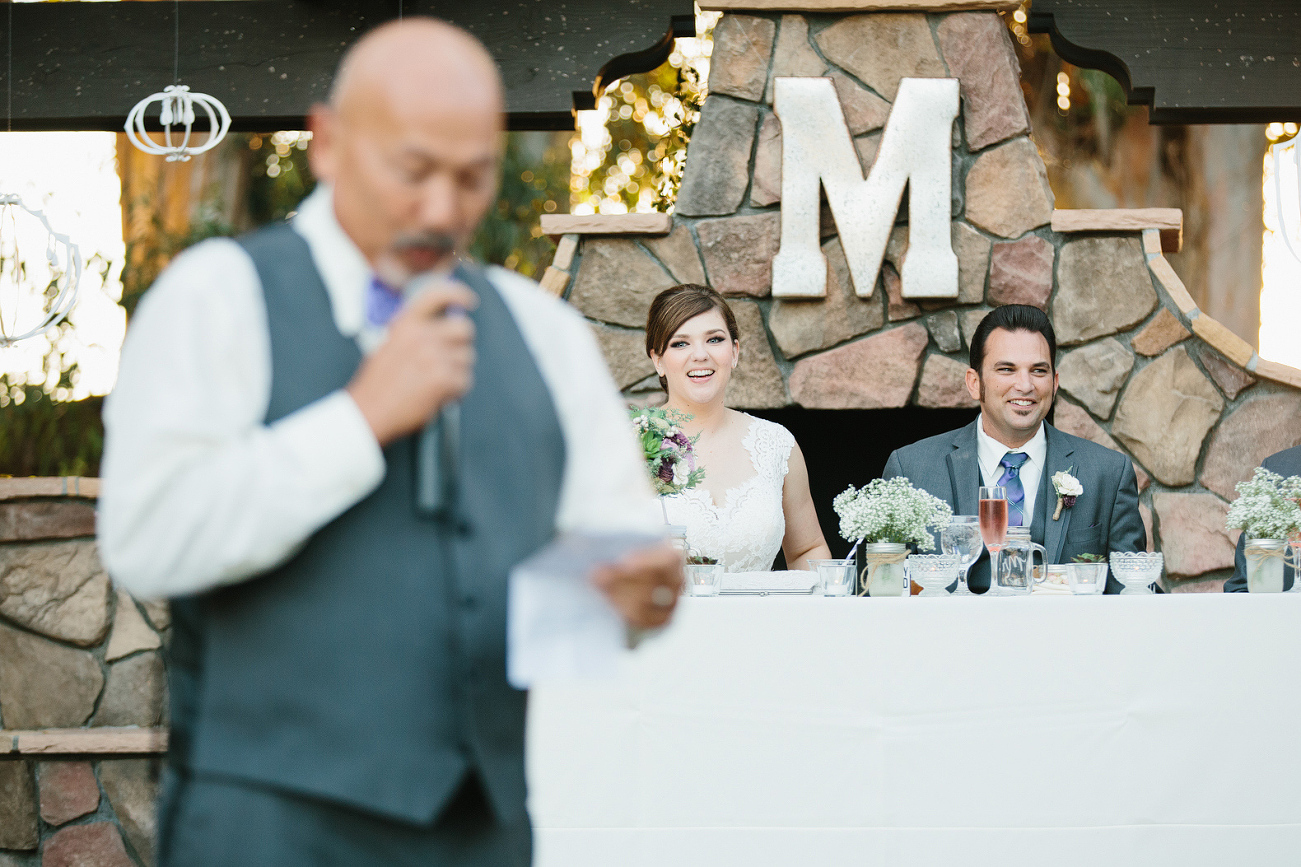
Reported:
(198, 491)
(990, 451)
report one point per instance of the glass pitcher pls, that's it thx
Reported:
(1016, 574)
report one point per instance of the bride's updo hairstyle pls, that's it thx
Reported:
(676, 305)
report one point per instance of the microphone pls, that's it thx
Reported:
(438, 452)
(438, 447)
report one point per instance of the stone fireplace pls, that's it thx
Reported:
(1143, 371)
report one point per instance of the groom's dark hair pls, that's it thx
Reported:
(1012, 317)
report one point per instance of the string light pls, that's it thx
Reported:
(1063, 92)
(615, 177)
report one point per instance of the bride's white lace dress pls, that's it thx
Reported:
(745, 531)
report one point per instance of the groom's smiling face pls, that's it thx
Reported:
(1015, 385)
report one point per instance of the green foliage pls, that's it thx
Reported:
(1089, 558)
(43, 433)
(40, 436)
(651, 118)
(668, 451)
(534, 181)
(279, 176)
(44, 436)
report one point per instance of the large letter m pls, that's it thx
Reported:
(915, 152)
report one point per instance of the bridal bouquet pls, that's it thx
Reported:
(1267, 506)
(669, 452)
(891, 510)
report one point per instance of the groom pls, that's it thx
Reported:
(1013, 375)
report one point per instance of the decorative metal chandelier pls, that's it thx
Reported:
(1285, 149)
(63, 259)
(177, 110)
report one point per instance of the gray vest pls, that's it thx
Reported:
(370, 668)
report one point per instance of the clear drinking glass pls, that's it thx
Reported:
(835, 577)
(704, 579)
(1086, 579)
(1294, 560)
(993, 527)
(962, 538)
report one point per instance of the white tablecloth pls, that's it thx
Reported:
(1097, 731)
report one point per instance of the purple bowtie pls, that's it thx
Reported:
(382, 302)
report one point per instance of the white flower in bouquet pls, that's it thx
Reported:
(668, 451)
(891, 510)
(1267, 506)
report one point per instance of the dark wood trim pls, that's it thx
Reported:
(1191, 61)
(82, 66)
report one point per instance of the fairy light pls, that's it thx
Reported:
(609, 177)
(1063, 92)
(1280, 132)
(1018, 24)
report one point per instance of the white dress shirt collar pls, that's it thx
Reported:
(342, 266)
(990, 452)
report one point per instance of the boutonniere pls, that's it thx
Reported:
(1068, 488)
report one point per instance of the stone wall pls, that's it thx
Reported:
(1142, 370)
(82, 689)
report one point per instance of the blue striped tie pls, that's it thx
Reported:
(1011, 482)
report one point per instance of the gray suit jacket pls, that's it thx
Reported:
(1105, 517)
(1285, 463)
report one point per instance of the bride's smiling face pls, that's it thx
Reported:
(699, 359)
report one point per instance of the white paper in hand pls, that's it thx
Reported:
(559, 626)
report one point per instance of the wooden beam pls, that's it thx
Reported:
(49, 486)
(606, 224)
(1191, 61)
(91, 742)
(826, 6)
(1169, 221)
(82, 65)
(1217, 335)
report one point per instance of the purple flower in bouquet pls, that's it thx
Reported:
(667, 449)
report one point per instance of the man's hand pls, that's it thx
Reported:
(643, 586)
(426, 362)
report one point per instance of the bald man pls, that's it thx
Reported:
(337, 662)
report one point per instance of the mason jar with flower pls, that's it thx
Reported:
(1267, 511)
(885, 516)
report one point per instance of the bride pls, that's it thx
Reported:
(755, 495)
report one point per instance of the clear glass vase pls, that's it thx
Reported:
(1264, 559)
(884, 573)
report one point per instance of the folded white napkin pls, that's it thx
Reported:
(759, 582)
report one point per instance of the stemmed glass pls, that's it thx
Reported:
(962, 539)
(993, 527)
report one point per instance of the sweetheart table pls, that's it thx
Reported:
(779, 730)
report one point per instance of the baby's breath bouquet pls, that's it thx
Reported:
(669, 452)
(1267, 506)
(891, 510)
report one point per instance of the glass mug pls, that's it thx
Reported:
(1014, 573)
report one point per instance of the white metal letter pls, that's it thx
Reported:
(916, 151)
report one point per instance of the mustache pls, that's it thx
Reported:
(437, 243)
